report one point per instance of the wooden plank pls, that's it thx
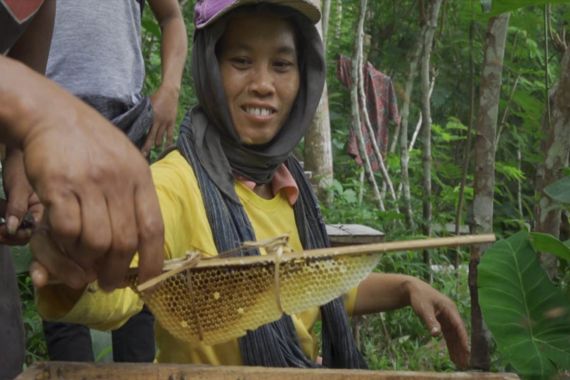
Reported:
(351, 234)
(147, 371)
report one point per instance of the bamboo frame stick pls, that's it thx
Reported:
(352, 250)
(192, 260)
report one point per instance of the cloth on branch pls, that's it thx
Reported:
(382, 107)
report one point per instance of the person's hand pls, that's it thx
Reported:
(100, 202)
(164, 106)
(50, 263)
(440, 315)
(22, 210)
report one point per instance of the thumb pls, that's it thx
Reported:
(427, 314)
(434, 328)
(39, 274)
(16, 208)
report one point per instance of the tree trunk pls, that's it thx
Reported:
(484, 183)
(429, 31)
(467, 146)
(318, 149)
(555, 147)
(326, 11)
(357, 119)
(402, 132)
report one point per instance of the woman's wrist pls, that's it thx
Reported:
(409, 286)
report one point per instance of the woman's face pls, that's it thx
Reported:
(260, 74)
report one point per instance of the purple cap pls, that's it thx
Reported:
(208, 11)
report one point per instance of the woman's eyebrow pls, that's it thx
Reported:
(286, 49)
(283, 49)
(240, 46)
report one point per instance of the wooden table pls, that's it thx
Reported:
(132, 371)
(351, 234)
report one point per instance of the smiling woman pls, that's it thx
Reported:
(260, 74)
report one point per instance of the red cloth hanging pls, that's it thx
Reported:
(382, 107)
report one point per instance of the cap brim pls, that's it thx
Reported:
(305, 7)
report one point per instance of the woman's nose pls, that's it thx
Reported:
(262, 82)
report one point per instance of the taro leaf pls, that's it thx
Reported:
(559, 190)
(548, 243)
(528, 316)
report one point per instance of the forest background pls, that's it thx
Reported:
(472, 80)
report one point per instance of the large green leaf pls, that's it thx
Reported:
(548, 243)
(559, 190)
(528, 316)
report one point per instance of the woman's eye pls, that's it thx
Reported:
(240, 62)
(282, 65)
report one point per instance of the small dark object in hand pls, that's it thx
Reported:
(28, 222)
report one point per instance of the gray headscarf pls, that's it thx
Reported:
(218, 145)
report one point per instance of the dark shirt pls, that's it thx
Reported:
(15, 15)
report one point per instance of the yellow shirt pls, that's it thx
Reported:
(187, 227)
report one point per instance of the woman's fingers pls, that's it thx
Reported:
(455, 336)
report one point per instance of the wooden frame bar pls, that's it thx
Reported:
(149, 371)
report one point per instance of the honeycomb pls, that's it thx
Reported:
(219, 299)
(213, 300)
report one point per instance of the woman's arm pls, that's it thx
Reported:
(382, 292)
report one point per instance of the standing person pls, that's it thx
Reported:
(45, 129)
(259, 71)
(108, 74)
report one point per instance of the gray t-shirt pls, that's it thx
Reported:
(96, 49)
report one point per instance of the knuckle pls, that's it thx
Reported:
(97, 245)
(65, 228)
(17, 207)
(152, 227)
(124, 245)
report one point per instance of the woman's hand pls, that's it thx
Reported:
(440, 315)
(382, 292)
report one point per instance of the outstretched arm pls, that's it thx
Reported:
(173, 48)
(383, 292)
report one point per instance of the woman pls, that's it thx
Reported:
(259, 73)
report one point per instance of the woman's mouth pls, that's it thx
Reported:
(259, 111)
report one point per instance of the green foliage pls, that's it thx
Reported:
(102, 346)
(528, 316)
(35, 343)
(501, 6)
(22, 259)
(559, 191)
(509, 172)
(549, 244)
